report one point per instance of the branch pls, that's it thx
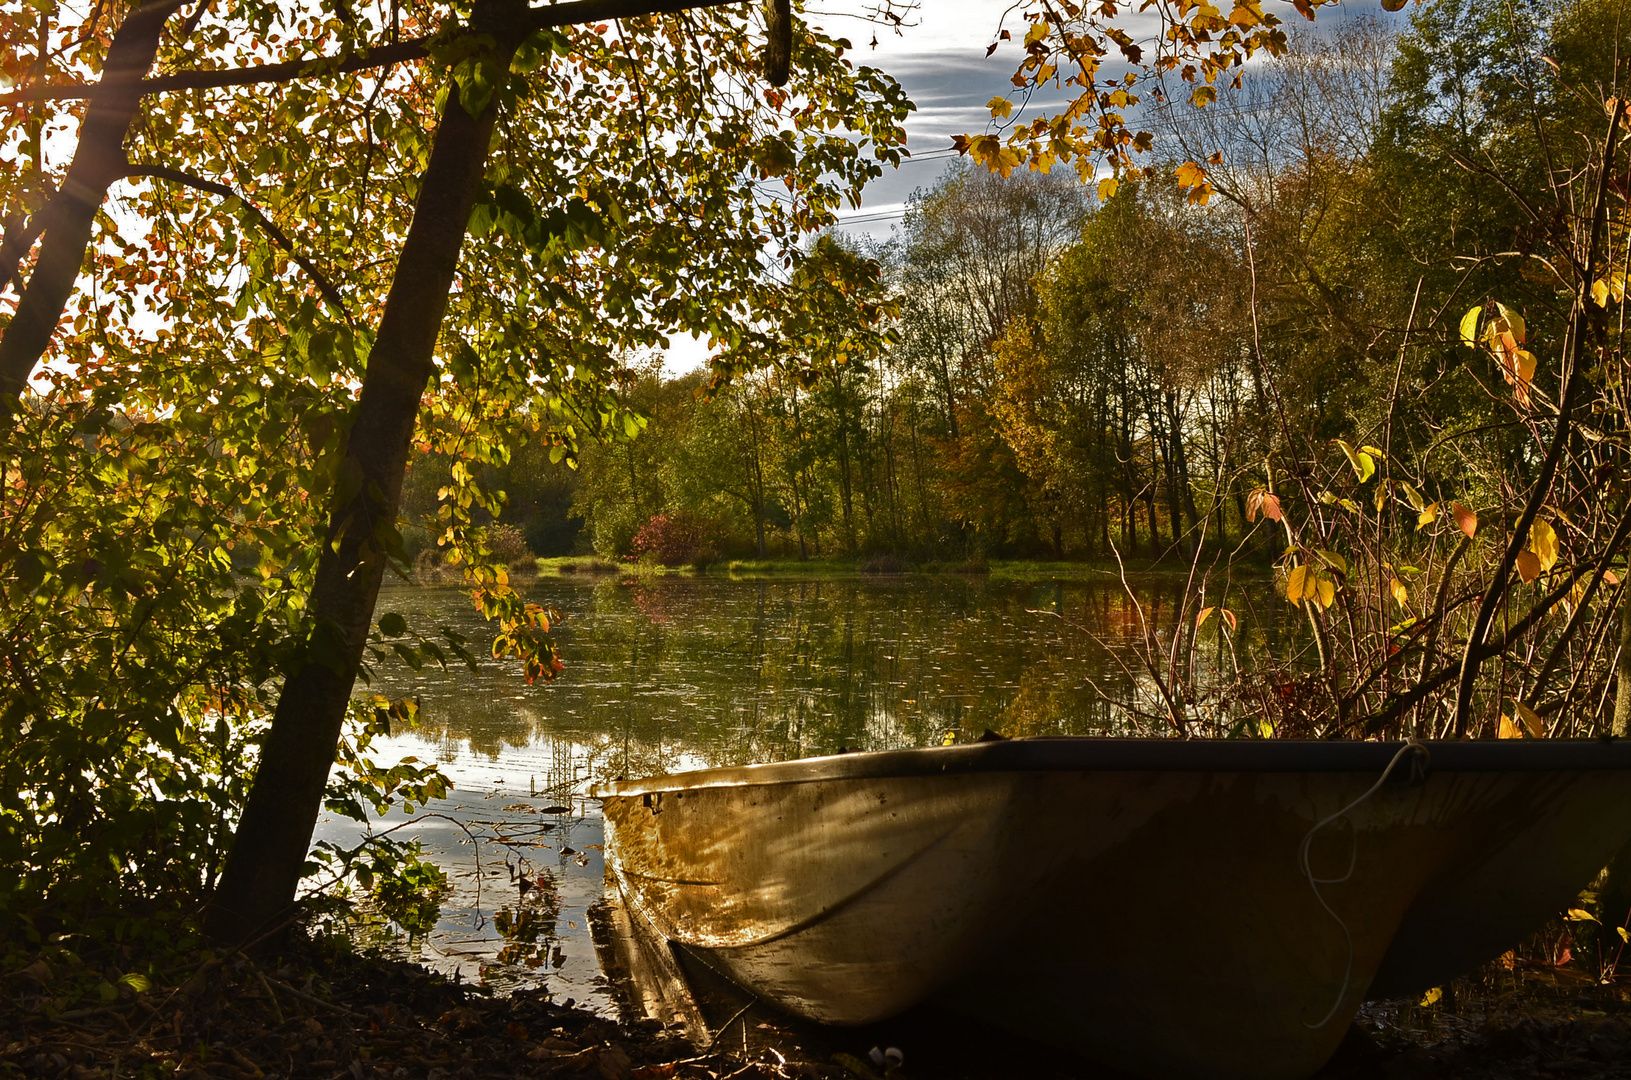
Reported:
(1580, 607)
(162, 172)
(67, 220)
(1578, 330)
(20, 235)
(565, 14)
(1374, 723)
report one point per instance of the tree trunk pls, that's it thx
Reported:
(68, 219)
(264, 868)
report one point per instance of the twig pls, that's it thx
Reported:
(1579, 327)
(278, 236)
(726, 1026)
(312, 999)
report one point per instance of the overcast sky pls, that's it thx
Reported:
(941, 62)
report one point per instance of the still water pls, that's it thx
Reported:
(670, 673)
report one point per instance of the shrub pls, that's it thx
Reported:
(672, 539)
(507, 544)
(885, 564)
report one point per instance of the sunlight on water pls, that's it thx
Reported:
(670, 674)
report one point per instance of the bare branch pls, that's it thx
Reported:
(1574, 350)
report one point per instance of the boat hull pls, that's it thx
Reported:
(1142, 902)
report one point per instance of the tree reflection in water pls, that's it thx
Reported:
(673, 672)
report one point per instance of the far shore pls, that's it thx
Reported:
(884, 567)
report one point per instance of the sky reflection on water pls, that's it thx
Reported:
(671, 673)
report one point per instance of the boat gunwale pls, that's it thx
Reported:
(1110, 754)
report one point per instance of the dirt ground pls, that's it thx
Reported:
(350, 1018)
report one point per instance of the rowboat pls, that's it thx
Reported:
(1169, 908)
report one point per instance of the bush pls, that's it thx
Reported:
(507, 544)
(885, 564)
(672, 539)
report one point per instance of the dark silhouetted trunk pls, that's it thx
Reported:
(67, 220)
(264, 868)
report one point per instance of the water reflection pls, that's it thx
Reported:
(670, 672)
(665, 674)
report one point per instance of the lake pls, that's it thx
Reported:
(665, 673)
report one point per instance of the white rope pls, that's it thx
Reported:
(1314, 883)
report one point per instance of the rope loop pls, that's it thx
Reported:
(1420, 759)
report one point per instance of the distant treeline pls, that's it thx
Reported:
(1071, 377)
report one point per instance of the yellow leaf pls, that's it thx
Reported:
(1364, 466)
(1531, 719)
(1229, 617)
(1296, 584)
(1469, 327)
(1334, 559)
(1599, 292)
(1326, 592)
(1201, 618)
(1432, 997)
(1514, 322)
(1466, 519)
(1107, 188)
(1520, 371)
(1543, 542)
(1413, 496)
(1508, 729)
(1401, 595)
(1190, 175)
(1428, 515)
(1625, 935)
(1528, 566)
(1000, 107)
(1581, 915)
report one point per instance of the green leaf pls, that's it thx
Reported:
(392, 624)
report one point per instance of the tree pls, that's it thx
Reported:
(577, 252)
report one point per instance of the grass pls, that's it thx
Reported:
(579, 564)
